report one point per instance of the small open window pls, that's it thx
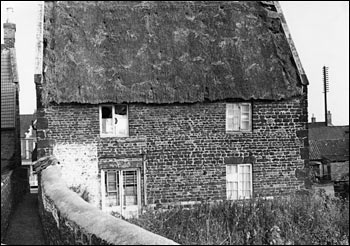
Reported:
(114, 120)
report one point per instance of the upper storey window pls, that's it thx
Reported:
(238, 117)
(114, 121)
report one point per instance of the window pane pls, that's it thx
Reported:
(122, 125)
(121, 109)
(112, 199)
(229, 116)
(112, 184)
(121, 121)
(235, 195)
(236, 123)
(111, 176)
(231, 169)
(245, 125)
(232, 117)
(245, 108)
(130, 187)
(231, 189)
(245, 116)
(235, 186)
(247, 185)
(112, 188)
(106, 112)
(232, 182)
(107, 126)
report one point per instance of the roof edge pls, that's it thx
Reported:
(303, 77)
(13, 61)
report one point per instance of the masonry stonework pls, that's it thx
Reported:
(184, 146)
(7, 148)
(6, 201)
(14, 185)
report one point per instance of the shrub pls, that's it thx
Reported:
(297, 219)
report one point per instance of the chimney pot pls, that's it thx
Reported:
(9, 17)
(329, 118)
(313, 118)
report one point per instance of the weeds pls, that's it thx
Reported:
(297, 219)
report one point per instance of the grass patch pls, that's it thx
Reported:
(312, 218)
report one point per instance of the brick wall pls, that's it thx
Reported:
(185, 146)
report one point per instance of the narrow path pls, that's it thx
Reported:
(25, 225)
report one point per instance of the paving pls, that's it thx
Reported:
(25, 226)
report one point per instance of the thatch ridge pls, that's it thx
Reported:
(165, 52)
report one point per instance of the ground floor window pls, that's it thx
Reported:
(239, 181)
(121, 191)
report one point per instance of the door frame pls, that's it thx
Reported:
(123, 209)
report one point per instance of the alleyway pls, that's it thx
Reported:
(25, 226)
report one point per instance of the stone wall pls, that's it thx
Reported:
(14, 184)
(7, 149)
(69, 220)
(6, 201)
(184, 146)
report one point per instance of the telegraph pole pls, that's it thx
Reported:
(325, 90)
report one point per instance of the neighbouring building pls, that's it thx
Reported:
(156, 103)
(28, 143)
(10, 133)
(14, 183)
(329, 157)
(315, 123)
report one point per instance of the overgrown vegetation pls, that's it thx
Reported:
(82, 192)
(297, 219)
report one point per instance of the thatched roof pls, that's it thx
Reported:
(165, 52)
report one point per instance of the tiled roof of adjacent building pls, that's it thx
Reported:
(331, 142)
(168, 51)
(8, 87)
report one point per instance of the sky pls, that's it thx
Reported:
(319, 29)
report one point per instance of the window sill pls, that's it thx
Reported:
(113, 136)
(128, 139)
(239, 132)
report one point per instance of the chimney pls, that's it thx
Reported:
(9, 30)
(329, 118)
(313, 118)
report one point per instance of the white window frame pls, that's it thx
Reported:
(234, 110)
(116, 181)
(114, 116)
(121, 208)
(238, 178)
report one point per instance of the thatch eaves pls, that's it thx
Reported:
(166, 52)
